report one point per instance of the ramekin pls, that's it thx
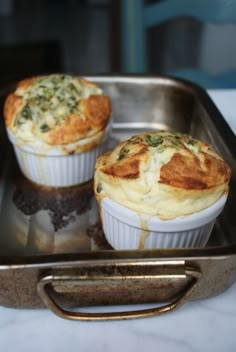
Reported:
(50, 167)
(126, 229)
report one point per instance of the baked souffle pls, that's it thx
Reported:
(57, 109)
(162, 174)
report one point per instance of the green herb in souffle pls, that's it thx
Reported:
(162, 142)
(153, 140)
(58, 79)
(136, 140)
(49, 97)
(190, 141)
(123, 152)
(44, 128)
(25, 114)
(49, 100)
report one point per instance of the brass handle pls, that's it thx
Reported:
(45, 285)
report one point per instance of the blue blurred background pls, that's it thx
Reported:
(87, 37)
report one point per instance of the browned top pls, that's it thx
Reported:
(126, 164)
(95, 110)
(179, 164)
(12, 105)
(57, 109)
(188, 172)
(162, 174)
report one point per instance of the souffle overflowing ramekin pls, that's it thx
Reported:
(160, 190)
(58, 125)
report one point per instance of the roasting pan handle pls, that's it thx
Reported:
(45, 287)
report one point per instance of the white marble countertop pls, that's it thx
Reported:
(204, 325)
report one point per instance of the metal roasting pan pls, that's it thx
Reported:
(52, 250)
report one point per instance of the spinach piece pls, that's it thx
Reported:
(26, 113)
(44, 128)
(190, 141)
(123, 152)
(153, 141)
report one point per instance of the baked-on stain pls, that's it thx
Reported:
(63, 204)
(95, 232)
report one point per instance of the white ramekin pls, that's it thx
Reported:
(53, 168)
(125, 229)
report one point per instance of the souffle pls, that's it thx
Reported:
(58, 125)
(162, 174)
(57, 110)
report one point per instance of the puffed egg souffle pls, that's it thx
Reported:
(160, 189)
(58, 125)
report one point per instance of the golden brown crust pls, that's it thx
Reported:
(188, 172)
(72, 130)
(96, 109)
(24, 83)
(12, 105)
(185, 169)
(125, 168)
(89, 117)
(88, 83)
